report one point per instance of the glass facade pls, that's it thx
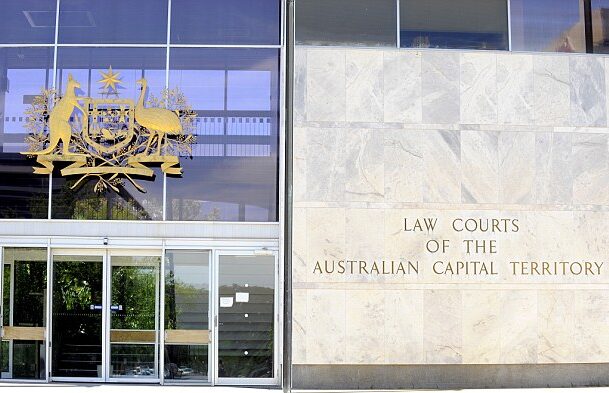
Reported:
(346, 22)
(465, 24)
(600, 25)
(232, 173)
(548, 26)
(540, 26)
(187, 294)
(22, 354)
(228, 22)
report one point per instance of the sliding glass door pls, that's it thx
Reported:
(94, 315)
(78, 317)
(105, 318)
(23, 319)
(246, 317)
(134, 316)
(187, 315)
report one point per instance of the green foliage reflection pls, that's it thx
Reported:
(134, 288)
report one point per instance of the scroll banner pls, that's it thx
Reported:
(168, 163)
(46, 161)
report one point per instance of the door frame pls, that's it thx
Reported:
(101, 252)
(106, 253)
(11, 297)
(276, 320)
(264, 247)
(211, 369)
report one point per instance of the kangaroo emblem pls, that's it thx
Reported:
(60, 129)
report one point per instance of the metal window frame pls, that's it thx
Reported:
(11, 295)
(168, 46)
(277, 307)
(93, 245)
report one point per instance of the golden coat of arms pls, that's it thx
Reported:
(109, 139)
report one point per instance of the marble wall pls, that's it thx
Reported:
(381, 136)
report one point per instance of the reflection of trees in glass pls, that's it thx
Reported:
(188, 208)
(37, 207)
(182, 298)
(69, 287)
(134, 288)
(4, 356)
(6, 295)
(84, 203)
(30, 284)
(26, 362)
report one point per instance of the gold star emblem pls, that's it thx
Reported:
(110, 79)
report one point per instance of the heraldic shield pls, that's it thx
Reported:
(109, 139)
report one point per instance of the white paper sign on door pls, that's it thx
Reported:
(226, 301)
(242, 297)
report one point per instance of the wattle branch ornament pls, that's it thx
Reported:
(109, 139)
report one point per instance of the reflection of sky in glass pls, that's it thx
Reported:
(127, 88)
(249, 90)
(253, 270)
(22, 83)
(245, 90)
(598, 4)
(204, 88)
(232, 176)
(537, 24)
(225, 21)
(113, 21)
(195, 276)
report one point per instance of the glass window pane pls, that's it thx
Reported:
(113, 21)
(232, 173)
(134, 293)
(187, 290)
(132, 360)
(600, 26)
(186, 315)
(25, 271)
(464, 24)
(346, 22)
(23, 73)
(186, 362)
(73, 200)
(6, 294)
(548, 25)
(134, 315)
(246, 316)
(234, 22)
(28, 22)
(4, 357)
(77, 316)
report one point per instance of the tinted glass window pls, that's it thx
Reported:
(232, 173)
(465, 24)
(23, 73)
(28, 22)
(75, 197)
(225, 22)
(548, 25)
(600, 26)
(113, 21)
(346, 22)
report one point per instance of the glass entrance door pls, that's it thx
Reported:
(104, 320)
(134, 322)
(246, 318)
(78, 313)
(23, 274)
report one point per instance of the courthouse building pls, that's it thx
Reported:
(312, 194)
